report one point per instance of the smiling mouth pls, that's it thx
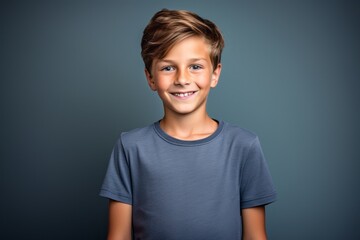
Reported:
(183, 94)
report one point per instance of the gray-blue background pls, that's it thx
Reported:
(72, 80)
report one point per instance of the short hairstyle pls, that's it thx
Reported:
(168, 27)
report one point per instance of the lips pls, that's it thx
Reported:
(183, 94)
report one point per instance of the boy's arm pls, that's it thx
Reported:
(119, 221)
(253, 220)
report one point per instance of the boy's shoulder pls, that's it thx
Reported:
(235, 132)
(136, 134)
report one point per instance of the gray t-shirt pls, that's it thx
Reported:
(188, 189)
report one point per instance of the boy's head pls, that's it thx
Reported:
(168, 27)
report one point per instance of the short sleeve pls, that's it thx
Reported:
(256, 186)
(117, 181)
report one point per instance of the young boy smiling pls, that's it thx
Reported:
(187, 176)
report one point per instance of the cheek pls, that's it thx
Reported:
(162, 83)
(205, 80)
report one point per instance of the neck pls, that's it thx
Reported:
(189, 126)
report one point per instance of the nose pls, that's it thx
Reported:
(182, 78)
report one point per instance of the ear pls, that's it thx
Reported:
(215, 76)
(150, 80)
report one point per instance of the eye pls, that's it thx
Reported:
(167, 68)
(195, 67)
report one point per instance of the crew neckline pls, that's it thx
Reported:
(189, 143)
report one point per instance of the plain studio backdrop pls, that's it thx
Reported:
(72, 80)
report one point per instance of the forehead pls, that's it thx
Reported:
(189, 48)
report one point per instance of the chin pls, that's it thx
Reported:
(184, 111)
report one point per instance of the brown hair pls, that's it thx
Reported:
(168, 27)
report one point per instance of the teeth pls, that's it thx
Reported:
(183, 94)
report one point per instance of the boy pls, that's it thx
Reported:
(187, 176)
